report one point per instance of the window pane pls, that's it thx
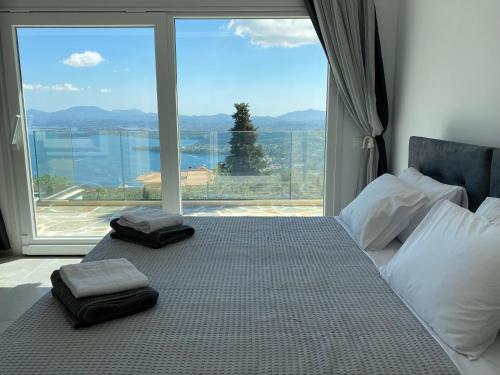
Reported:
(252, 110)
(90, 102)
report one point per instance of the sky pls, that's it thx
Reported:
(277, 66)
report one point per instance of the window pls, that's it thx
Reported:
(272, 75)
(91, 124)
(124, 111)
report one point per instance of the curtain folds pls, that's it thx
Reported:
(348, 32)
(4, 240)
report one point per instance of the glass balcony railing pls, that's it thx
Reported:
(124, 165)
(287, 165)
(93, 165)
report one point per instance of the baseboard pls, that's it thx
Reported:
(57, 249)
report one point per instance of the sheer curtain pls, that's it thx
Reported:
(348, 32)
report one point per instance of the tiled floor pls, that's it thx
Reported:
(23, 280)
(57, 221)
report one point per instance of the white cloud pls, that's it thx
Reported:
(289, 33)
(105, 91)
(83, 59)
(55, 87)
(66, 87)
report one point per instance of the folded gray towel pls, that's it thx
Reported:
(102, 277)
(84, 312)
(156, 239)
(149, 220)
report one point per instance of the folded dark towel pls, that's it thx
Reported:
(156, 239)
(84, 312)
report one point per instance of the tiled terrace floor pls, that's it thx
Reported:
(57, 221)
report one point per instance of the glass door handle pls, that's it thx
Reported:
(16, 134)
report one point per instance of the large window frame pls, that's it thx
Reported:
(15, 158)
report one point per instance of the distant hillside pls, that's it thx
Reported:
(98, 118)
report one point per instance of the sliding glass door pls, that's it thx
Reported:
(91, 125)
(84, 91)
(111, 112)
(252, 116)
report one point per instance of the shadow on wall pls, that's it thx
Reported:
(466, 131)
(399, 79)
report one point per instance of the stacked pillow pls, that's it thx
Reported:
(448, 273)
(490, 209)
(381, 211)
(433, 190)
(391, 207)
(447, 270)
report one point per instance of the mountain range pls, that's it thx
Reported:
(88, 117)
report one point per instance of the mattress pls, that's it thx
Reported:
(487, 364)
(243, 296)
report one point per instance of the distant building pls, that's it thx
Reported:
(201, 176)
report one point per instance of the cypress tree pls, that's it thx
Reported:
(245, 157)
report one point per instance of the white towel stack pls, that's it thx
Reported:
(102, 277)
(149, 220)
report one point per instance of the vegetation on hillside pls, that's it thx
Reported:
(47, 184)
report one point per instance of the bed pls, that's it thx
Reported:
(258, 296)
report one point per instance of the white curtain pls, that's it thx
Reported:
(348, 30)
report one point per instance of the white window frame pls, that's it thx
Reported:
(15, 162)
(167, 114)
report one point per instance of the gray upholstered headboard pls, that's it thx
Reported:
(477, 168)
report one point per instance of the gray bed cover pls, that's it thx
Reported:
(243, 296)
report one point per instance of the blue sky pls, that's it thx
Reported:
(275, 65)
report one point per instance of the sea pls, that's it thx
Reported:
(107, 158)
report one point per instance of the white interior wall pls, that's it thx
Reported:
(448, 76)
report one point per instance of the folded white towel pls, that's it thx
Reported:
(149, 220)
(102, 277)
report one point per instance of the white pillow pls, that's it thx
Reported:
(435, 191)
(381, 211)
(490, 209)
(448, 271)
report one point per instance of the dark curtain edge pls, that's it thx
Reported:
(382, 103)
(4, 239)
(314, 19)
(380, 86)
